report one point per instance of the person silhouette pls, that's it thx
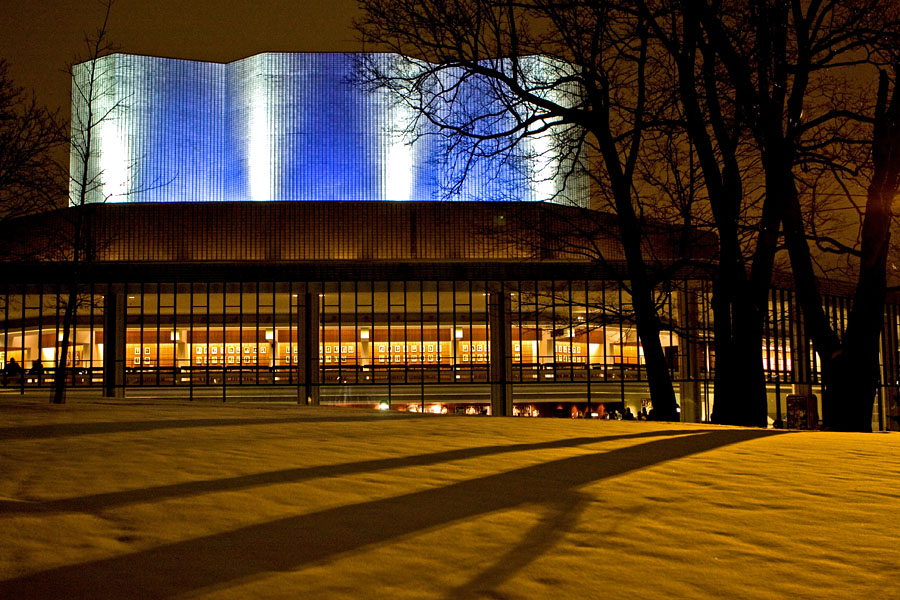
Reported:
(12, 367)
(37, 369)
(12, 370)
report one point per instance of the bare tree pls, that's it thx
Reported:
(850, 361)
(31, 179)
(492, 77)
(93, 103)
(788, 63)
(746, 234)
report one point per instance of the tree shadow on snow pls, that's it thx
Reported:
(562, 515)
(98, 502)
(287, 544)
(56, 430)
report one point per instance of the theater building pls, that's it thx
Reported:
(267, 228)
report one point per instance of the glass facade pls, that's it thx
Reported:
(415, 344)
(281, 126)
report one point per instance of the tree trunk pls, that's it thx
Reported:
(739, 383)
(59, 376)
(749, 385)
(848, 399)
(659, 379)
(853, 377)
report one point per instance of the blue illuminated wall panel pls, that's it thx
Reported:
(270, 127)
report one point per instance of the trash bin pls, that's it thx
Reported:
(802, 412)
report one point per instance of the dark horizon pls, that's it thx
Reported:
(41, 38)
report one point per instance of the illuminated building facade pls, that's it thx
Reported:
(327, 296)
(284, 127)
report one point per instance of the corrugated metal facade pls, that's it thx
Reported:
(276, 232)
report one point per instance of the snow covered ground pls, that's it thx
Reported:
(106, 500)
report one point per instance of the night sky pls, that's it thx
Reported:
(40, 37)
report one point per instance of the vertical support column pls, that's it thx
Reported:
(887, 389)
(274, 357)
(363, 353)
(546, 348)
(31, 347)
(801, 368)
(801, 362)
(114, 342)
(499, 308)
(689, 368)
(183, 358)
(308, 348)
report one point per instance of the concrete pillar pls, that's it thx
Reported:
(546, 347)
(114, 342)
(363, 348)
(499, 308)
(801, 364)
(183, 357)
(690, 389)
(308, 348)
(274, 354)
(801, 356)
(888, 405)
(31, 347)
